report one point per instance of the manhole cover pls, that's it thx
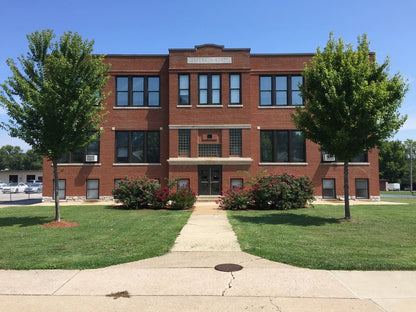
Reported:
(228, 267)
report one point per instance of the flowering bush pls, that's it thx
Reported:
(274, 191)
(139, 192)
(182, 199)
(236, 199)
(282, 191)
(160, 198)
(142, 192)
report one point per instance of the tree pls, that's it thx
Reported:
(53, 97)
(32, 160)
(13, 158)
(351, 102)
(392, 161)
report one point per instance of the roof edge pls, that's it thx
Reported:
(209, 45)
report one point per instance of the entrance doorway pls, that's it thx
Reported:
(209, 180)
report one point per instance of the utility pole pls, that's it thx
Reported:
(411, 166)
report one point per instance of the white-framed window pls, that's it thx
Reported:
(61, 189)
(236, 183)
(328, 188)
(361, 188)
(183, 184)
(117, 182)
(93, 186)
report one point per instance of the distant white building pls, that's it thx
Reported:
(24, 176)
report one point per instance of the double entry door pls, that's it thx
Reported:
(209, 180)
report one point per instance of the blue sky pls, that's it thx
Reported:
(264, 26)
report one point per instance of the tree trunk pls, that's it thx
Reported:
(56, 191)
(346, 192)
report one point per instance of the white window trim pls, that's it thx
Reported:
(77, 164)
(136, 107)
(209, 106)
(280, 106)
(135, 164)
(283, 164)
(210, 161)
(199, 127)
(328, 163)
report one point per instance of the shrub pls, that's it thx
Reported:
(236, 199)
(138, 192)
(160, 198)
(282, 192)
(142, 192)
(274, 191)
(182, 199)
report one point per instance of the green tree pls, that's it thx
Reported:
(351, 102)
(392, 161)
(32, 160)
(11, 157)
(53, 97)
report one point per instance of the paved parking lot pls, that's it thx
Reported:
(18, 199)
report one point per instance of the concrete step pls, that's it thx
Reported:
(207, 198)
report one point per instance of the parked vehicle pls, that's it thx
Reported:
(393, 186)
(33, 181)
(14, 188)
(34, 188)
(2, 184)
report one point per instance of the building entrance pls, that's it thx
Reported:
(209, 180)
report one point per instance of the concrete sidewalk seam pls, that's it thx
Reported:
(69, 279)
(377, 304)
(345, 285)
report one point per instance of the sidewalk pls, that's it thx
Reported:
(185, 280)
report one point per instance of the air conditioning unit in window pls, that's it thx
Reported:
(91, 158)
(328, 157)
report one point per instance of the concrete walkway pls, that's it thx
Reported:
(185, 280)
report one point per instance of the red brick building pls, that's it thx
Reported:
(202, 115)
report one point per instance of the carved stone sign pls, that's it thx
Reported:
(209, 60)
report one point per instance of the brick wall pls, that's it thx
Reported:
(168, 117)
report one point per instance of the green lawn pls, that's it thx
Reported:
(379, 237)
(104, 237)
(398, 193)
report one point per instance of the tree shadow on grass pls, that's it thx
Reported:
(287, 218)
(23, 221)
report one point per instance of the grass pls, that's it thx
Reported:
(397, 193)
(402, 200)
(379, 237)
(104, 237)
